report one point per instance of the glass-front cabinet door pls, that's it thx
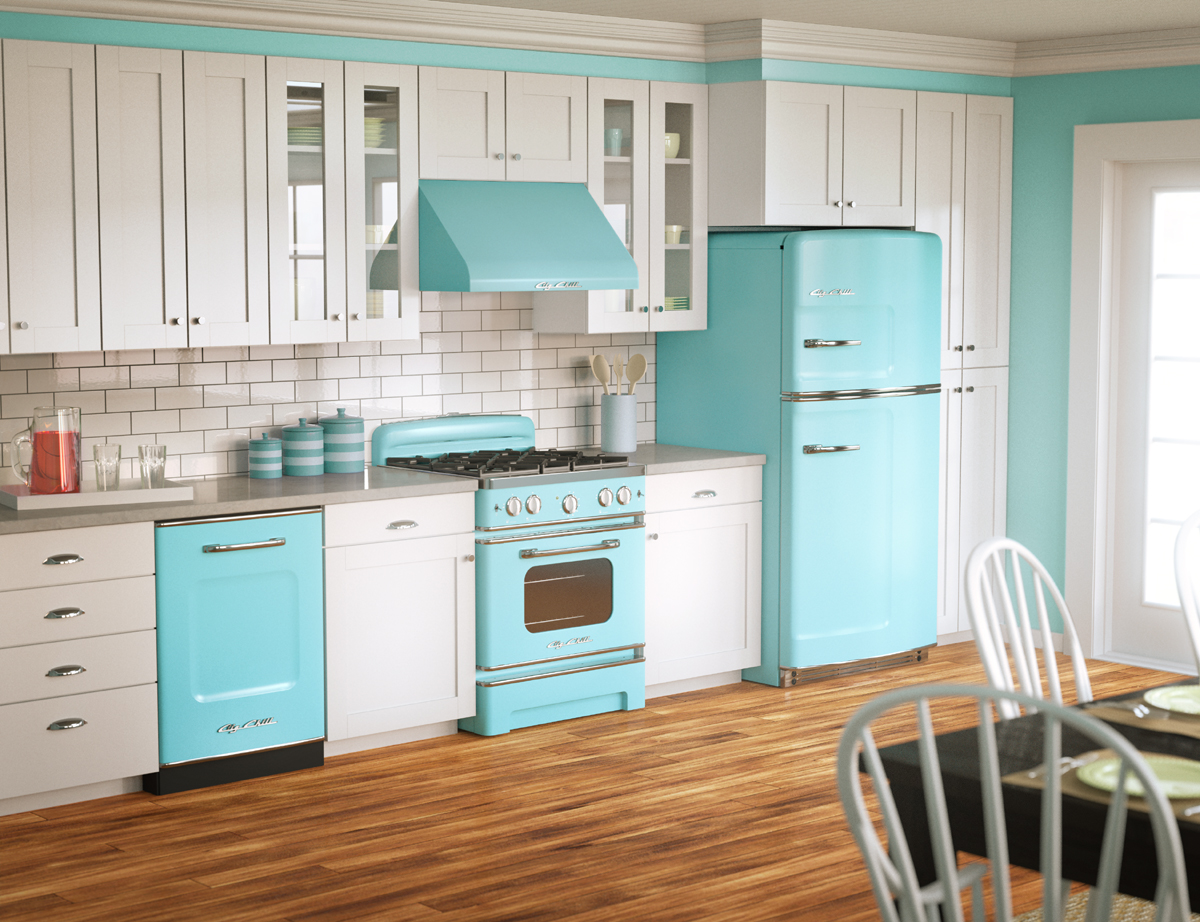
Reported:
(382, 297)
(306, 200)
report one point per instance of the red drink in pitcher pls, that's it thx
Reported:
(54, 438)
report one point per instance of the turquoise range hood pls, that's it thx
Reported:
(518, 236)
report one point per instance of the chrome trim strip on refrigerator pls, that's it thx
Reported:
(222, 548)
(822, 449)
(559, 659)
(602, 546)
(860, 394)
(533, 536)
(235, 518)
(826, 343)
(582, 518)
(242, 752)
(551, 675)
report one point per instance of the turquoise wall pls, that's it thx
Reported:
(1045, 113)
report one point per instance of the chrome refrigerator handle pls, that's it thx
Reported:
(825, 343)
(221, 548)
(822, 449)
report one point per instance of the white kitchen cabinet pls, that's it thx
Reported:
(974, 481)
(383, 297)
(400, 616)
(800, 154)
(703, 577)
(306, 200)
(225, 160)
(143, 279)
(489, 125)
(52, 210)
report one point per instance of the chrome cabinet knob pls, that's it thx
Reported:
(653, 537)
(356, 317)
(624, 495)
(958, 348)
(970, 390)
(336, 317)
(970, 348)
(516, 156)
(645, 309)
(659, 308)
(174, 321)
(470, 558)
(533, 505)
(839, 204)
(605, 497)
(499, 156)
(852, 204)
(65, 670)
(513, 506)
(570, 503)
(22, 325)
(199, 321)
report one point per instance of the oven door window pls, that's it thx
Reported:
(561, 596)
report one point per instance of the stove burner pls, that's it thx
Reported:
(510, 461)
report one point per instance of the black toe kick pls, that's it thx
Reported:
(171, 779)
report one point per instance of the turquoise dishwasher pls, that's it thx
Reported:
(241, 651)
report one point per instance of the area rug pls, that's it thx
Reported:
(1124, 909)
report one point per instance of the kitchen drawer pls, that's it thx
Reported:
(111, 606)
(119, 739)
(104, 552)
(700, 489)
(114, 661)
(413, 517)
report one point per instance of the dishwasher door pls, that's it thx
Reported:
(241, 652)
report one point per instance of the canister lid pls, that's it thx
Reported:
(265, 442)
(342, 422)
(303, 430)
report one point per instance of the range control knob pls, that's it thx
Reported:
(570, 503)
(513, 506)
(533, 505)
(624, 496)
(605, 497)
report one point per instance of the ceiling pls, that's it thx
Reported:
(996, 20)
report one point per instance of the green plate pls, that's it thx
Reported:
(1182, 698)
(1180, 778)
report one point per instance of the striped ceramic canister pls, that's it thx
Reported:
(343, 443)
(303, 450)
(266, 457)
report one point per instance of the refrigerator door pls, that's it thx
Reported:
(860, 531)
(862, 310)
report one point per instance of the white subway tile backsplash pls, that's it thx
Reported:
(316, 350)
(77, 359)
(177, 398)
(458, 362)
(271, 352)
(226, 395)
(103, 378)
(430, 364)
(33, 360)
(501, 361)
(255, 415)
(380, 365)
(247, 372)
(484, 381)
(126, 401)
(226, 439)
(462, 403)
(501, 401)
(129, 357)
(518, 380)
(201, 373)
(154, 376)
(502, 320)
(312, 391)
(345, 367)
(399, 386)
(51, 379)
(273, 392)
(98, 424)
(423, 406)
(20, 406)
(485, 341)
(15, 382)
(227, 354)
(441, 342)
(207, 418)
(442, 384)
(155, 421)
(358, 388)
(358, 348)
(462, 320)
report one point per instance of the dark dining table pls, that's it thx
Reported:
(1019, 743)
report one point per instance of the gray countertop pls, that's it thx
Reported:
(237, 495)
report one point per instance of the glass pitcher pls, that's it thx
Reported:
(54, 439)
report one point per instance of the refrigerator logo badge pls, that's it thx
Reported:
(249, 724)
(559, 644)
(822, 293)
(548, 286)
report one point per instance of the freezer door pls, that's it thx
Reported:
(860, 529)
(862, 309)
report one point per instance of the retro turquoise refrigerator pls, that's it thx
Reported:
(822, 352)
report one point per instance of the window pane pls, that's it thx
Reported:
(306, 201)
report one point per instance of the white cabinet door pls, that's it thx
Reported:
(988, 231)
(4, 318)
(949, 488)
(803, 154)
(50, 168)
(382, 226)
(306, 194)
(400, 634)
(878, 157)
(225, 159)
(143, 279)
(546, 124)
(462, 123)
(703, 591)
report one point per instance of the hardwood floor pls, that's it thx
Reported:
(713, 805)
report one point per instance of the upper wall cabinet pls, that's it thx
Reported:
(50, 169)
(143, 278)
(306, 193)
(800, 154)
(225, 158)
(480, 124)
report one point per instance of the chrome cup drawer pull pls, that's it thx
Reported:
(66, 670)
(59, 559)
(602, 546)
(826, 343)
(402, 525)
(57, 613)
(222, 548)
(67, 723)
(822, 449)
(705, 494)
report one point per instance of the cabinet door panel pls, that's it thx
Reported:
(879, 147)
(462, 123)
(988, 231)
(949, 488)
(546, 126)
(139, 103)
(225, 157)
(803, 154)
(53, 225)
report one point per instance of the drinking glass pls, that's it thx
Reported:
(154, 466)
(56, 464)
(108, 466)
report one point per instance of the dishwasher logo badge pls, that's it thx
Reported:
(553, 286)
(822, 293)
(249, 724)
(559, 644)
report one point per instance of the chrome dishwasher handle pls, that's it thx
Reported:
(602, 546)
(221, 548)
(67, 723)
(705, 494)
(66, 670)
(59, 559)
(401, 525)
(822, 449)
(826, 343)
(56, 613)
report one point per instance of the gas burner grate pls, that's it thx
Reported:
(510, 461)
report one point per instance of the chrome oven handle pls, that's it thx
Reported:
(221, 548)
(602, 546)
(822, 449)
(826, 343)
(564, 533)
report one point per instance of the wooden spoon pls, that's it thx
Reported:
(618, 367)
(600, 370)
(636, 369)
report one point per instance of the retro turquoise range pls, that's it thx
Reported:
(827, 346)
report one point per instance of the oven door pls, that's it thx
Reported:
(549, 595)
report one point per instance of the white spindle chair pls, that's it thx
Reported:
(991, 610)
(890, 866)
(1185, 582)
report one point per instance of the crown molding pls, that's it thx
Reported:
(1172, 48)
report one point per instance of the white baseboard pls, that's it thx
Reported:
(27, 803)
(1149, 662)
(679, 686)
(391, 738)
